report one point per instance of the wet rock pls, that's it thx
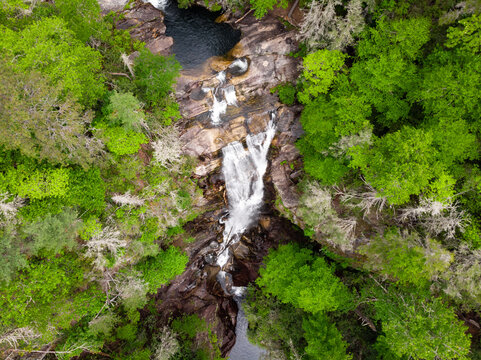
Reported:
(197, 94)
(146, 23)
(265, 222)
(238, 67)
(240, 251)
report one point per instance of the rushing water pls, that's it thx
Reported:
(243, 173)
(196, 35)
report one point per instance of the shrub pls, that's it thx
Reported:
(155, 76)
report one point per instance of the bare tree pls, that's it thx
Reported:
(341, 148)
(365, 199)
(167, 148)
(463, 278)
(460, 9)
(20, 335)
(316, 210)
(322, 28)
(167, 344)
(108, 240)
(127, 200)
(9, 208)
(435, 217)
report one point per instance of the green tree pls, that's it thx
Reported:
(416, 325)
(273, 324)
(12, 257)
(449, 89)
(121, 141)
(295, 276)
(124, 110)
(386, 68)
(49, 47)
(39, 121)
(399, 164)
(161, 269)
(261, 7)
(324, 341)
(87, 190)
(52, 234)
(319, 72)
(83, 18)
(403, 257)
(155, 76)
(467, 36)
(49, 306)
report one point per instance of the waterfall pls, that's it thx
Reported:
(223, 96)
(243, 173)
(229, 95)
(158, 4)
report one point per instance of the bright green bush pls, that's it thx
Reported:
(161, 269)
(295, 276)
(29, 300)
(123, 142)
(287, 93)
(261, 7)
(38, 184)
(155, 76)
(87, 190)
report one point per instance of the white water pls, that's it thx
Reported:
(243, 173)
(218, 108)
(241, 64)
(159, 4)
(221, 77)
(230, 96)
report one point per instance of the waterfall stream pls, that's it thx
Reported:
(243, 173)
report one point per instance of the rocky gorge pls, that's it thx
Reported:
(265, 48)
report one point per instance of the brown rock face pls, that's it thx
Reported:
(146, 23)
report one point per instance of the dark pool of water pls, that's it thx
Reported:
(196, 35)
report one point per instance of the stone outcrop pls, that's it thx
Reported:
(146, 23)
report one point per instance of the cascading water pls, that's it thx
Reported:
(222, 96)
(243, 173)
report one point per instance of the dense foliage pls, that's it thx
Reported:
(390, 93)
(86, 220)
(94, 190)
